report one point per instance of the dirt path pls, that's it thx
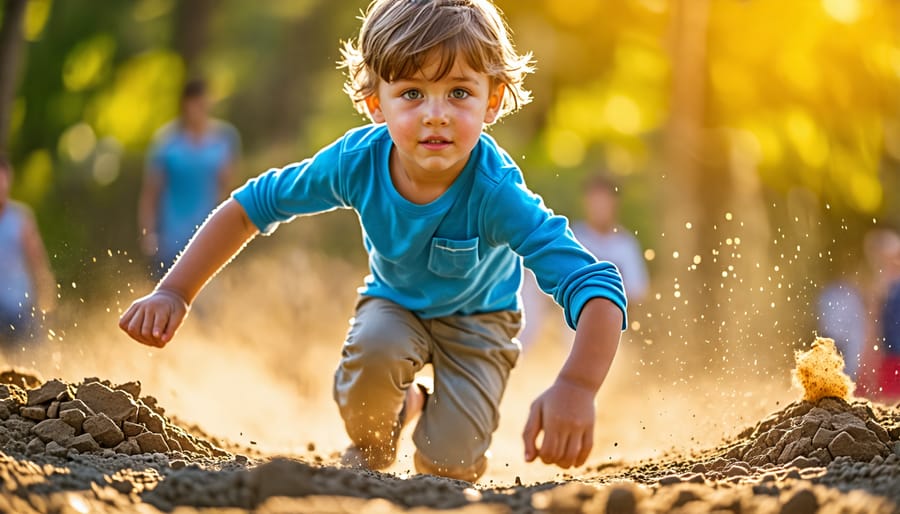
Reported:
(95, 446)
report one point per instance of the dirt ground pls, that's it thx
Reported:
(236, 416)
(97, 446)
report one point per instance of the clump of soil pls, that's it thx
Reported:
(93, 417)
(820, 372)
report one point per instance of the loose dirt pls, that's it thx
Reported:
(95, 446)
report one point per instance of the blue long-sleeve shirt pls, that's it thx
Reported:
(459, 254)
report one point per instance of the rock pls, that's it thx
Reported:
(879, 431)
(795, 449)
(73, 417)
(104, 430)
(862, 435)
(153, 421)
(65, 396)
(35, 446)
(803, 501)
(84, 443)
(173, 444)
(76, 404)
(821, 455)
(738, 469)
(153, 404)
(621, 500)
(897, 449)
(669, 480)
(54, 430)
(132, 429)
(128, 447)
(180, 464)
(842, 420)
(56, 450)
(47, 392)
(151, 442)
(184, 440)
(845, 446)
(37, 413)
(53, 409)
(118, 405)
(824, 437)
(803, 462)
(133, 388)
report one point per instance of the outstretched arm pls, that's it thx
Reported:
(153, 319)
(565, 411)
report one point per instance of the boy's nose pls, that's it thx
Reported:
(435, 113)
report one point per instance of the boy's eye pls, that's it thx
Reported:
(459, 94)
(412, 94)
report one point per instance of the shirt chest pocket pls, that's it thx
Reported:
(453, 258)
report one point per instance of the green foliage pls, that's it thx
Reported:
(806, 92)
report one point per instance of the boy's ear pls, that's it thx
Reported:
(374, 107)
(494, 103)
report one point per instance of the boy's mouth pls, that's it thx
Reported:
(435, 143)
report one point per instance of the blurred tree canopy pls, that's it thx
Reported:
(783, 118)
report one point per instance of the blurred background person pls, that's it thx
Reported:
(188, 172)
(602, 234)
(27, 285)
(841, 315)
(881, 357)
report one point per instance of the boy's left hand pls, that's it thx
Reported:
(565, 414)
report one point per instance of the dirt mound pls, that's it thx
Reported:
(93, 417)
(819, 432)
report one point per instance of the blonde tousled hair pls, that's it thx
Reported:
(397, 36)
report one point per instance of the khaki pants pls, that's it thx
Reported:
(472, 357)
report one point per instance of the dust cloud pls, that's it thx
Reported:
(254, 364)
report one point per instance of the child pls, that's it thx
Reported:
(447, 222)
(26, 281)
(188, 169)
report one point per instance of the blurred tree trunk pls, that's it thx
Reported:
(10, 52)
(695, 176)
(297, 76)
(192, 33)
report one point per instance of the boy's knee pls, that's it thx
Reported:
(468, 470)
(379, 346)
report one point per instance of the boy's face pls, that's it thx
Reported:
(435, 124)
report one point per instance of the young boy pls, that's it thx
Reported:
(26, 281)
(447, 222)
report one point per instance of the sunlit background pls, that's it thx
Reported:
(756, 142)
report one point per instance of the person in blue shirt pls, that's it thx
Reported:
(27, 286)
(189, 166)
(448, 223)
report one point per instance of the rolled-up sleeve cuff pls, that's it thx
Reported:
(600, 280)
(582, 297)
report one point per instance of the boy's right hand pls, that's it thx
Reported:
(154, 319)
